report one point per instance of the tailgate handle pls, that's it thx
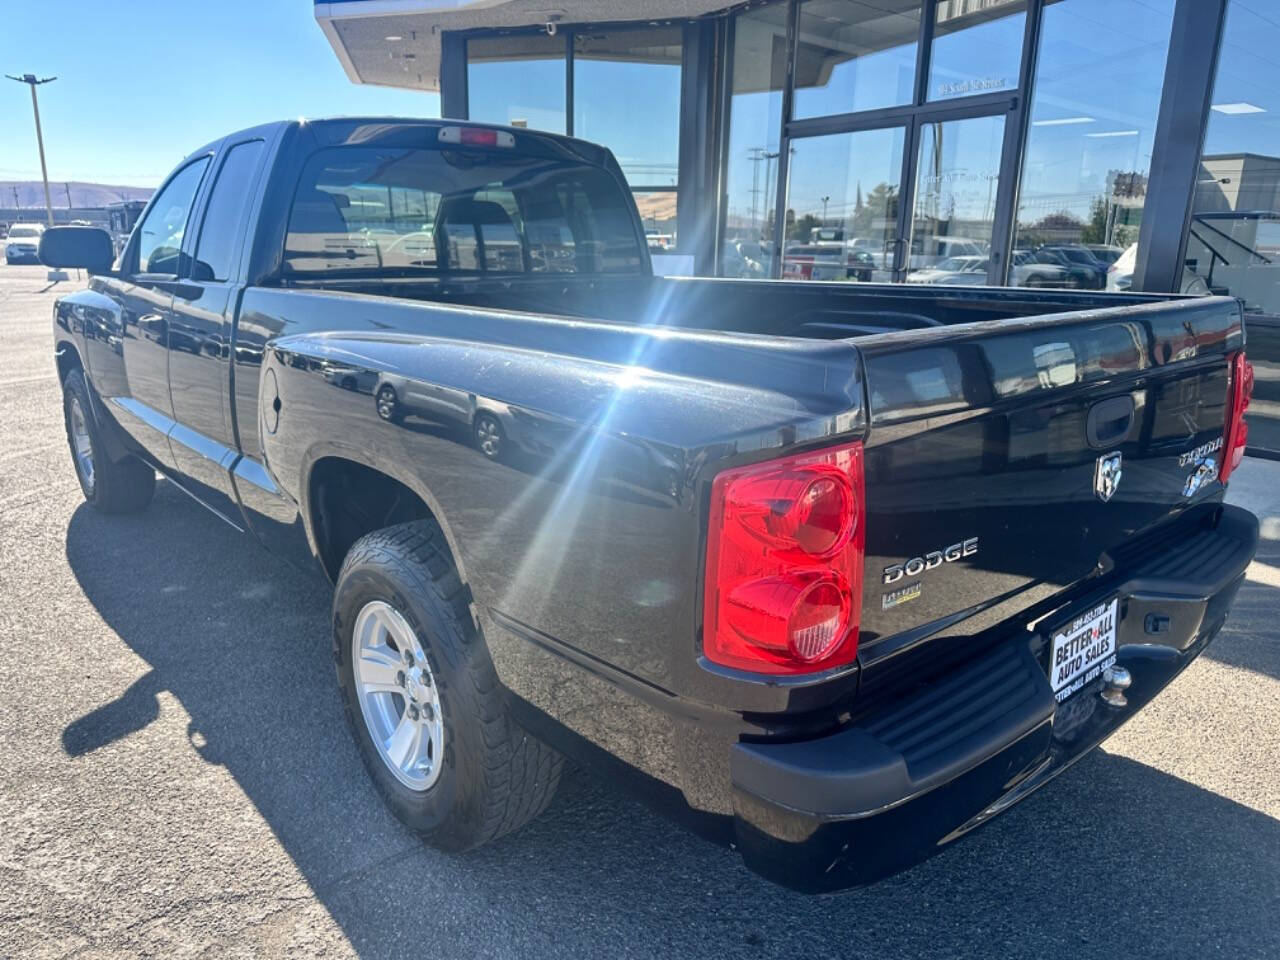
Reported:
(1109, 421)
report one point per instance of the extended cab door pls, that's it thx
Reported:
(204, 302)
(138, 389)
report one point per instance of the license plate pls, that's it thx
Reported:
(1083, 649)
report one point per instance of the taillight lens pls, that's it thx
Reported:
(476, 137)
(1235, 435)
(784, 564)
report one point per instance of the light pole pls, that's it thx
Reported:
(30, 80)
(824, 210)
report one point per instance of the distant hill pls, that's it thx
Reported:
(30, 193)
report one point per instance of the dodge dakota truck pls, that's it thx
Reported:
(830, 573)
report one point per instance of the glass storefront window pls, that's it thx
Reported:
(1233, 242)
(977, 47)
(1093, 120)
(1234, 239)
(658, 210)
(842, 206)
(755, 125)
(518, 81)
(953, 216)
(855, 55)
(626, 96)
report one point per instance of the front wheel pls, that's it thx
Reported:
(422, 698)
(112, 486)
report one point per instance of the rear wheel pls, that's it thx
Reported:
(112, 486)
(423, 699)
(490, 439)
(388, 404)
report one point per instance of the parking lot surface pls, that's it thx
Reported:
(176, 778)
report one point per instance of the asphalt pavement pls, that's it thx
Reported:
(176, 778)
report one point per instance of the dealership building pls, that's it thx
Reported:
(1118, 144)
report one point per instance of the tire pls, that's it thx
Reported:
(112, 486)
(488, 776)
(489, 437)
(387, 404)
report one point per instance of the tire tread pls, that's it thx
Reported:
(519, 772)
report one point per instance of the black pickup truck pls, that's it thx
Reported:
(833, 573)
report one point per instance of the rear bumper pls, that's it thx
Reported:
(870, 800)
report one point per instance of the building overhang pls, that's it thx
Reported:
(396, 43)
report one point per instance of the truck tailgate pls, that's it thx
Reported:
(1007, 461)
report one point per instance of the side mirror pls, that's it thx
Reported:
(87, 247)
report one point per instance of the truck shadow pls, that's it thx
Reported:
(1114, 856)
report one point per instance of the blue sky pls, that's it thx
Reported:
(143, 82)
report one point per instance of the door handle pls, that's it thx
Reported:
(1109, 422)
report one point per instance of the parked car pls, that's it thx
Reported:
(1032, 271)
(1104, 253)
(962, 271)
(22, 243)
(972, 271)
(835, 573)
(928, 250)
(826, 261)
(1083, 269)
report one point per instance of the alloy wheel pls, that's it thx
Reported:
(398, 696)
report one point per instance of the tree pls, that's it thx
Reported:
(1095, 231)
(880, 204)
(1060, 227)
(803, 227)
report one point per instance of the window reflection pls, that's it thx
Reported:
(755, 123)
(953, 216)
(517, 81)
(626, 96)
(842, 206)
(1093, 121)
(1233, 244)
(977, 47)
(855, 55)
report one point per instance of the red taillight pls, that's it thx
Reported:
(784, 564)
(1235, 436)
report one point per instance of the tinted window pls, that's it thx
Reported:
(404, 212)
(160, 233)
(224, 218)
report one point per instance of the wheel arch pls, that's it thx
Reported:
(346, 496)
(67, 357)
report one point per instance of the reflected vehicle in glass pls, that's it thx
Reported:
(1120, 275)
(1105, 253)
(827, 261)
(1083, 270)
(964, 271)
(821, 568)
(926, 251)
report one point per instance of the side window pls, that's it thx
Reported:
(224, 217)
(160, 234)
